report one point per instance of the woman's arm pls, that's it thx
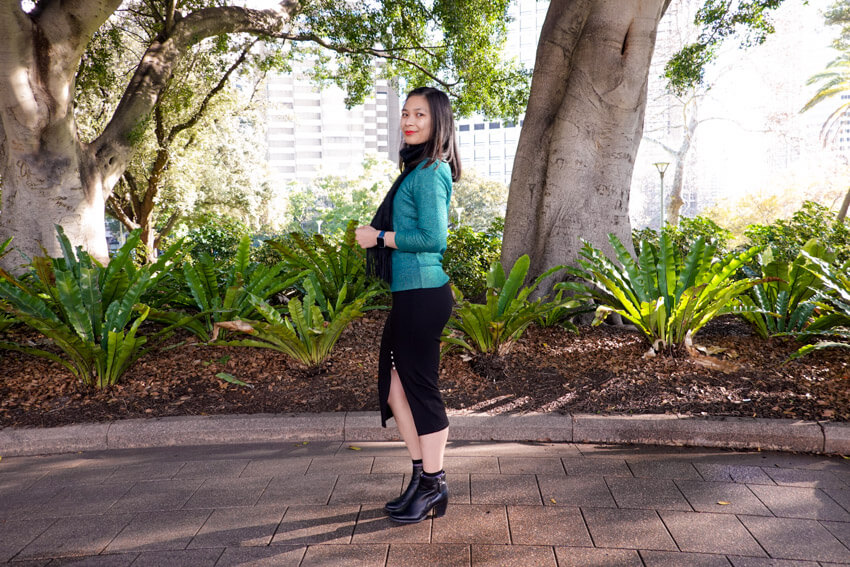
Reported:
(367, 237)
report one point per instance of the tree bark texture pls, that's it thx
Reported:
(582, 129)
(49, 176)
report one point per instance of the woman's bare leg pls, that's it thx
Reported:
(397, 401)
(433, 446)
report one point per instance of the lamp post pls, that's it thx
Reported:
(661, 166)
(458, 212)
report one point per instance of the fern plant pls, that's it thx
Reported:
(305, 334)
(562, 309)
(89, 311)
(666, 298)
(224, 290)
(782, 302)
(6, 321)
(329, 267)
(833, 304)
(494, 326)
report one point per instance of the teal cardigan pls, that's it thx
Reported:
(420, 223)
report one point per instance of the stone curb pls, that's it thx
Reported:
(670, 430)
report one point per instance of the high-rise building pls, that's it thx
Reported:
(489, 146)
(310, 132)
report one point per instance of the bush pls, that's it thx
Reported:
(686, 234)
(788, 236)
(668, 298)
(306, 334)
(781, 302)
(494, 326)
(6, 321)
(329, 267)
(469, 255)
(90, 312)
(833, 302)
(224, 290)
(216, 236)
(262, 252)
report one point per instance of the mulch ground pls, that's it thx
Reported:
(600, 370)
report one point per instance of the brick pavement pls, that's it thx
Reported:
(512, 504)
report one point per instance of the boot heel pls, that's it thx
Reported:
(440, 508)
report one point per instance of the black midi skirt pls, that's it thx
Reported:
(411, 342)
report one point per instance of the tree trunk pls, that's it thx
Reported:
(842, 212)
(48, 176)
(582, 129)
(676, 201)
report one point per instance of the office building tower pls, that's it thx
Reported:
(310, 132)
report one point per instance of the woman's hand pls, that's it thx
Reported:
(367, 236)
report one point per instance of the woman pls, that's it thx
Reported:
(405, 245)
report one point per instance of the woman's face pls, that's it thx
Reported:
(416, 120)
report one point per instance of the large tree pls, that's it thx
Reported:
(50, 176)
(584, 120)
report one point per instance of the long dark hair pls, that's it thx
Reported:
(442, 145)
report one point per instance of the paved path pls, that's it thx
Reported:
(512, 504)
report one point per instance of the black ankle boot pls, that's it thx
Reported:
(400, 503)
(431, 494)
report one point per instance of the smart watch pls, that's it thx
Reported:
(381, 243)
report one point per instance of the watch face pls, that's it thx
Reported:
(381, 243)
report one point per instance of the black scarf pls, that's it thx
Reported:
(379, 260)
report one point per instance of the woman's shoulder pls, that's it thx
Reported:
(437, 170)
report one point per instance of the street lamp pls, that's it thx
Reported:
(661, 166)
(458, 212)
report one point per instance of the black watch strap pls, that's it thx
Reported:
(381, 243)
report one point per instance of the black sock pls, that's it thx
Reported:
(433, 474)
(417, 462)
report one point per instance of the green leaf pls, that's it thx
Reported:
(232, 379)
(514, 281)
(72, 304)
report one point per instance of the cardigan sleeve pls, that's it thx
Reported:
(430, 189)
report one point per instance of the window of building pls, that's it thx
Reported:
(479, 126)
(464, 128)
(494, 125)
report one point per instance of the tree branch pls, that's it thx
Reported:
(73, 21)
(169, 226)
(381, 53)
(119, 212)
(664, 146)
(215, 90)
(169, 15)
(135, 203)
(16, 29)
(112, 150)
